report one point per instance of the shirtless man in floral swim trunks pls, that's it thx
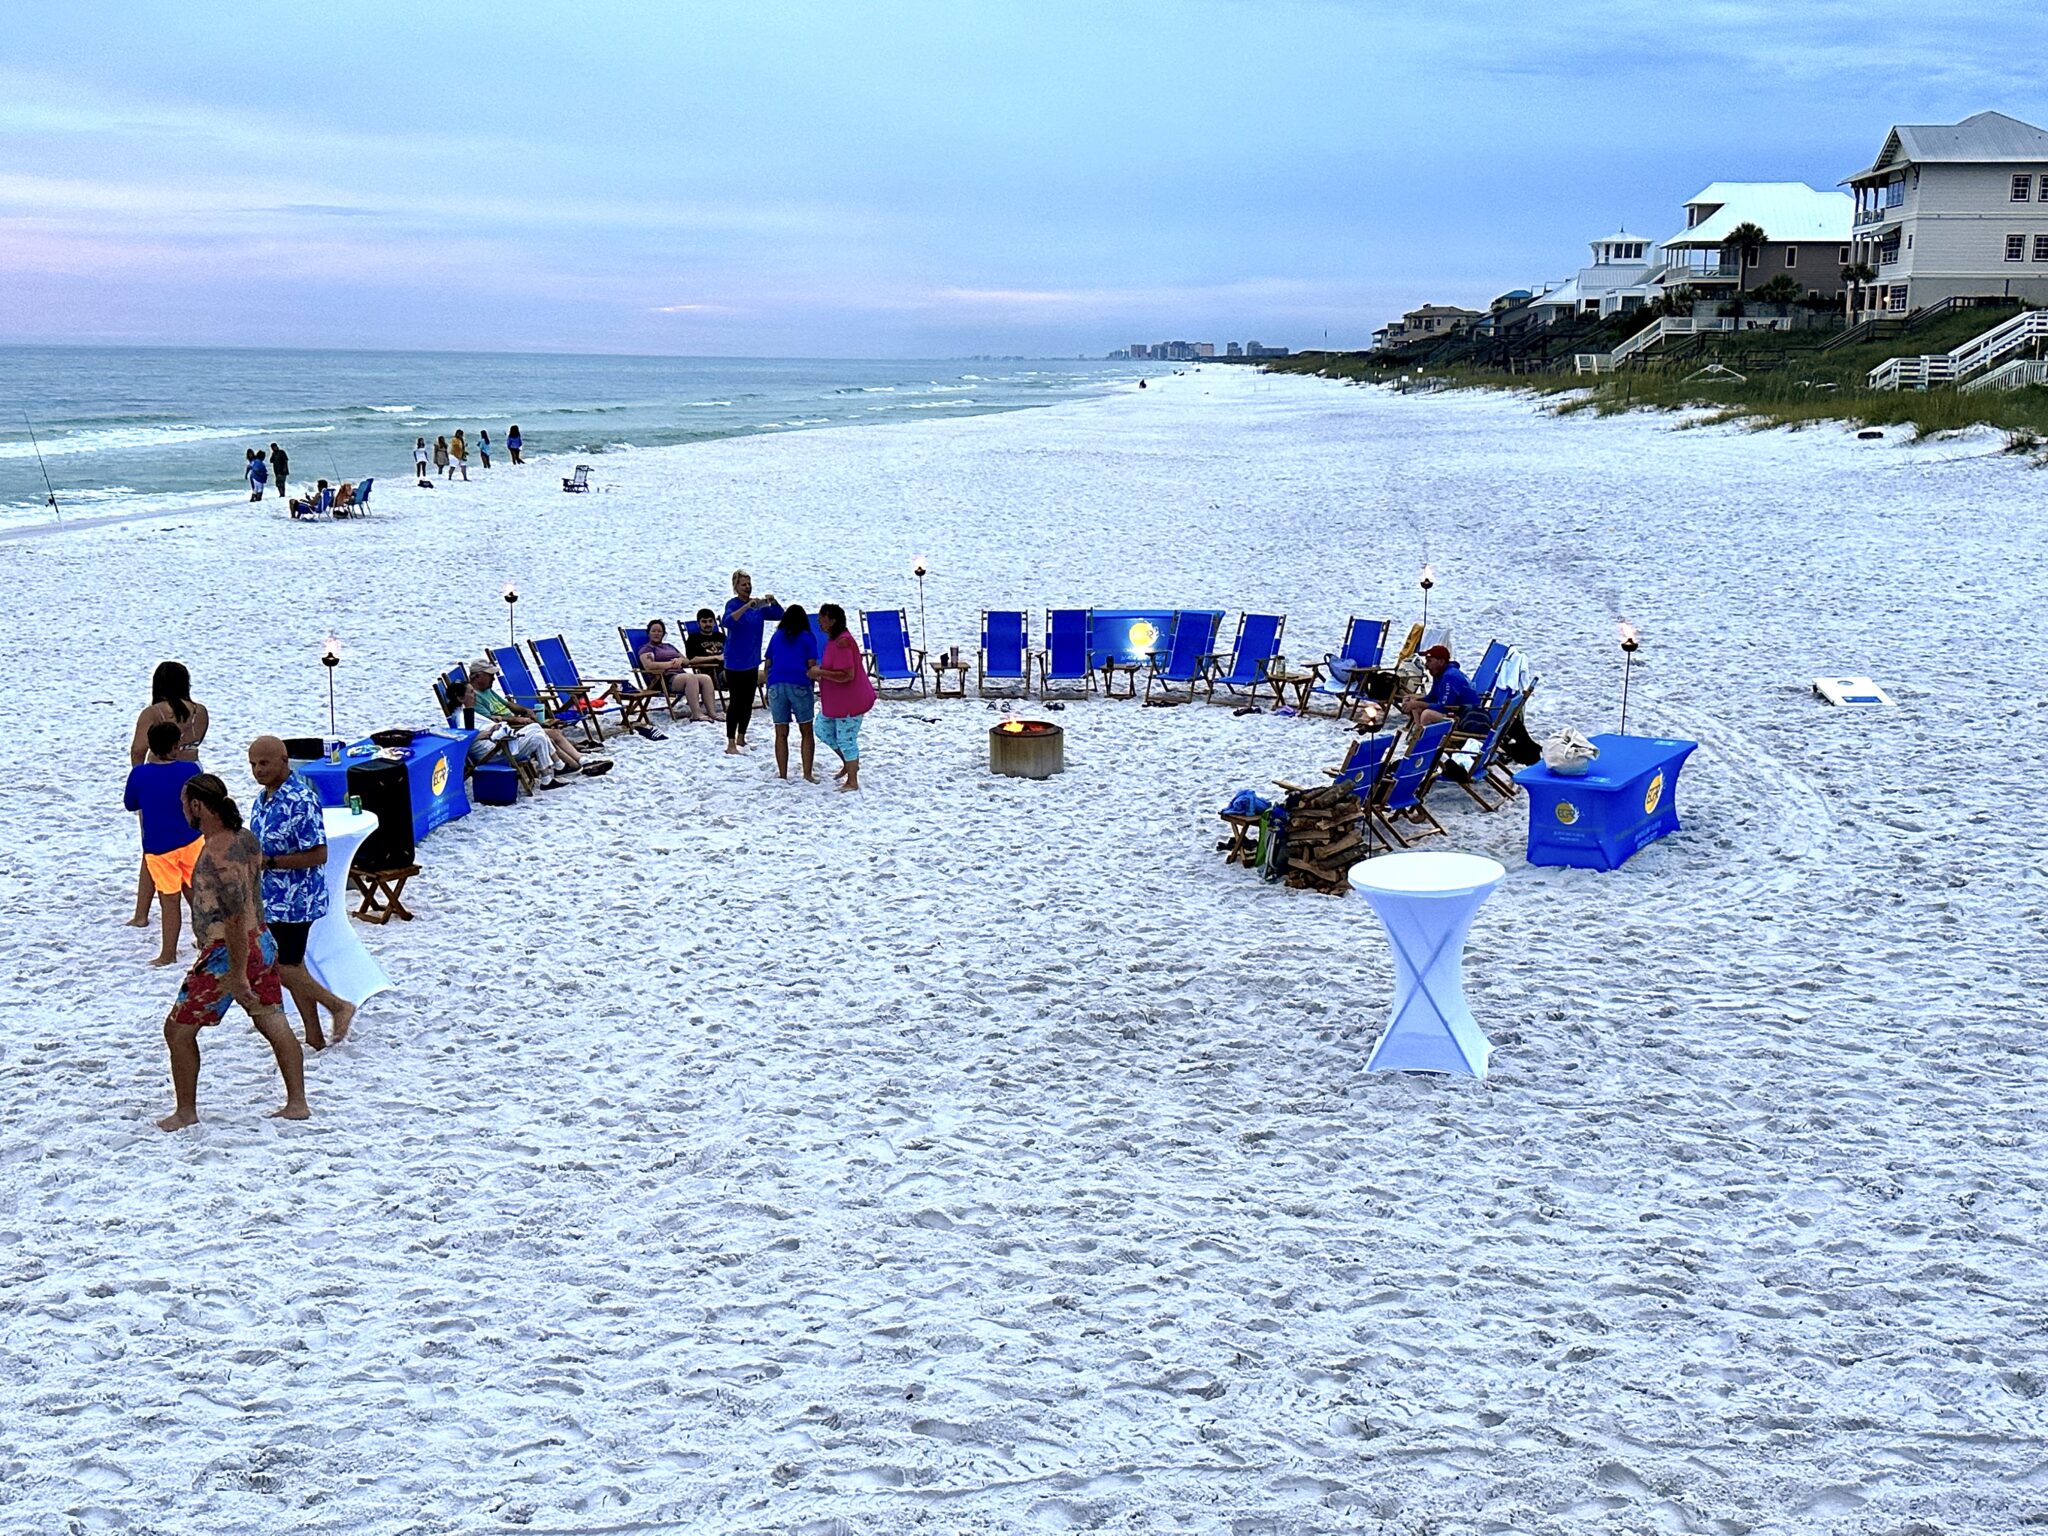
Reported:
(237, 958)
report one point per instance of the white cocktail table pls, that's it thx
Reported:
(1426, 901)
(334, 953)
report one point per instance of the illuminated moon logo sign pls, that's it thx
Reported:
(1144, 635)
(1567, 812)
(1654, 794)
(440, 774)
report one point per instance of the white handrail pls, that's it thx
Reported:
(1974, 355)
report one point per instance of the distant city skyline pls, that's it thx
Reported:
(906, 179)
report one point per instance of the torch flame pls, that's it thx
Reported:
(1428, 574)
(1627, 631)
(330, 649)
(511, 591)
(919, 565)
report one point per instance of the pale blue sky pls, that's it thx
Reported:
(905, 179)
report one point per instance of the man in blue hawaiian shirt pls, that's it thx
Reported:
(291, 829)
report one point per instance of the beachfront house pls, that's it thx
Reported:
(1620, 279)
(1805, 238)
(1955, 210)
(1427, 323)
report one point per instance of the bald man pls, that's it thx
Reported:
(291, 830)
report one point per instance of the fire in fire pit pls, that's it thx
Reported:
(1027, 749)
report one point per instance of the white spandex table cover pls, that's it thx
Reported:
(1426, 902)
(334, 953)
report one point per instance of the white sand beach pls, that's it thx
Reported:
(978, 1155)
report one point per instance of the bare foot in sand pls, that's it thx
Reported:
(177, 1121)
(165, 960)
(845, 788)
(139, 920)
(732, 749)
(294, 1109)
(344, 1016)
(810, 778)
(315, 1041)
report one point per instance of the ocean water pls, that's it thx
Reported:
(123, 429)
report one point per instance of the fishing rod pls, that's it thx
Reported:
(47, 487)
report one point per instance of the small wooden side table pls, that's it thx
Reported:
(1129, 670)
(1300, 682)
(959, 669)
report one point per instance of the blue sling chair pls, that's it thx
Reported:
(1257, 644)
(1401, 790)
(1185, 662)
(1489, 768)
(1004, 666)
(1365, 643)
(1063, 665)
(632, 637)
(895, 665)
(1487, 674)
(595, 697)
(516, 682)
(499, 759)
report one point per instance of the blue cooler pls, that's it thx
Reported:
(495, 783)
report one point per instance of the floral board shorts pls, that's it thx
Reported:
(204, 998)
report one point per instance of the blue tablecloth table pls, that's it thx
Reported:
(1426, 902)
(1627, 798)
(434, 776)
(334, 950)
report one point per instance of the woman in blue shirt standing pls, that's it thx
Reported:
(745, 616)
(792, 652)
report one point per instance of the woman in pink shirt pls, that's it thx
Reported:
(845, 694)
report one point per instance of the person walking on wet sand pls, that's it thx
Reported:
(441, 454)
(280, 466)
(459, 452)
(237, 958)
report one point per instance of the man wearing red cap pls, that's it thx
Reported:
(1451, 695)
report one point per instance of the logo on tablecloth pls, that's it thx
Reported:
(440, 774)
(1567, 812)
(1654, 794)
(1144, 635)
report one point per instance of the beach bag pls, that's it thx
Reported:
(1568, 753)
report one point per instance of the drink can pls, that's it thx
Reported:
(355, 805)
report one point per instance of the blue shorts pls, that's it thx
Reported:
(842, 735)
(791, 703)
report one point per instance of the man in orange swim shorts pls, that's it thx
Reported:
(237, 958)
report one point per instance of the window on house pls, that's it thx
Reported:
(1896, 300)
(2041, 247)
(2015, 247)
(1843, 259)
(1751, 258)
(2022, 188)
(1894, 193)
(1791, 255)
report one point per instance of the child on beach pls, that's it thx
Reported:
(845, 693)
(514, 442)
(792, 653)
(483, 448)
(258, 472)
(170, 847)
(459, 452)
(441, 454)
(419, 461)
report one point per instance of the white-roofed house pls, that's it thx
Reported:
(1806, 238)
(1621, 278)
(1955, 210)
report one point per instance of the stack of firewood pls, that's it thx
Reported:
(1325, 837)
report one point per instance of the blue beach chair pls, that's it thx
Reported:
(1487, 767)
(1342, 674)
(893, 662)
(1005, 660)
(1362, 766)
(516, 682)
(1486, 675)
(498, 774)
(594, 697)
(1063, 664)
(1185, 661)
(1257, 644)
(1402, 789)
(362, 498)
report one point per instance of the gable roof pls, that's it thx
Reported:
(1985, 137)
(1788, 211)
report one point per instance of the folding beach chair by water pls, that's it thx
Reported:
(1004, 665)
(1401, 790)
(580, 481)
(1063, 669)
(1258, 642)
(516, 682)
(1184, 664)
(895, 665)
(594, 697)
(1342, 674)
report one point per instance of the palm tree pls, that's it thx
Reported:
(1675, 301)
(1745, 239)
(1854, 276)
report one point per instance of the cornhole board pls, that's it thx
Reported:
(1851, 692)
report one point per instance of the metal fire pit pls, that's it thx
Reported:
(1027, 749)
